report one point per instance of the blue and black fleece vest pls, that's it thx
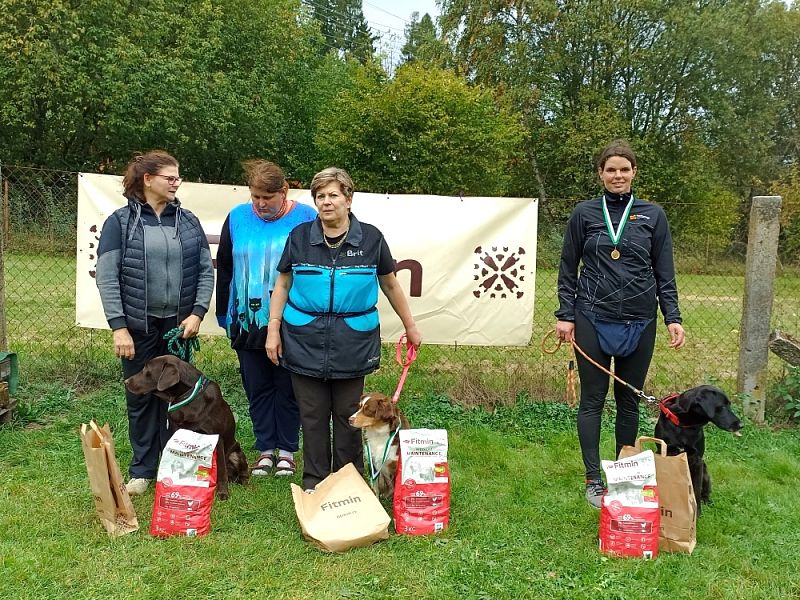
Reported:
(331, 328)
(133, 266)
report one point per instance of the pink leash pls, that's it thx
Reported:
(411, 356)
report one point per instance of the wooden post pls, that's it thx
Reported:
(3, 232)
(759, 280)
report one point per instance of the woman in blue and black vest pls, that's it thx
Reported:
(154, 273)
(324, 324)
(609, 310)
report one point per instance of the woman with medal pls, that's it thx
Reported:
(624, 247)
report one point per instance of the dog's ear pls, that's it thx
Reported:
(710, 401)
(687, 401)
(385, 409)
(169, 377)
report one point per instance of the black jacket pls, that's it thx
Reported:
(625, 289)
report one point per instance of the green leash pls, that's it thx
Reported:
(180, 347)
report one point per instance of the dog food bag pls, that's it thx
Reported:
(629, 513)
(185, 486)
(422, 484)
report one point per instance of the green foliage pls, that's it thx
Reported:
(423, 44)
(706, 92)
(214, 83)
(344, 28)
(788, 390)
(425, 131)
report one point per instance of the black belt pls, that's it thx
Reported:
(312, 313)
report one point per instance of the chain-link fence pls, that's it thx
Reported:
(38, 231)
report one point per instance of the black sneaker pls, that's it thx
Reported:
(594, 491)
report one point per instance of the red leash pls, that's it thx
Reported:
(411, 356)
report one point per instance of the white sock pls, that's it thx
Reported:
(267, 452)
(284, 454)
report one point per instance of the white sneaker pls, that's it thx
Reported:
(137, 486)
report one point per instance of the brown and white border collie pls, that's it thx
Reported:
(380, 419)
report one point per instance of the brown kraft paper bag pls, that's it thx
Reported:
(342, 513)
(111, 499)
(678, 504)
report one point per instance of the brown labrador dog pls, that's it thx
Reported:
(174, 381)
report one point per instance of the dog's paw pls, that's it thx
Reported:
(223, 495)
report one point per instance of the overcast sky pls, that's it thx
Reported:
(391, 16)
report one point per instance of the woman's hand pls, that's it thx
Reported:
(677, 335)
(273, 345)
(414, 336)
(190, 326)
(565, 331)
(123, 344)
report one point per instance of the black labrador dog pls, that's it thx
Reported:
(198, 406)
(692, 410)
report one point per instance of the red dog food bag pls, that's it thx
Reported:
(630, 518)
(422, 484)
(185, 486)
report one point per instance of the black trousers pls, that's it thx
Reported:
(147, 415)
(273, 409)
(594, 387)
(322, 401)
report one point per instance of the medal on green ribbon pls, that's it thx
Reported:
(616, 235)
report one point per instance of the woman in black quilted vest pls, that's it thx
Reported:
(154, 273)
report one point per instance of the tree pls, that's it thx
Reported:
(87, 84)
(423, 44)
(689, 83)
(344, 28)
(425, 131)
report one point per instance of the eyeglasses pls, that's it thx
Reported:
(171, 179)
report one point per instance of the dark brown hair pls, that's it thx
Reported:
(616, 148)
(264, 175)
(330, 175)
(151, 163)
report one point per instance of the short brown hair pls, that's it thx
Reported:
(149, 163)
(330, 175)
(264, 175)
(616, 148)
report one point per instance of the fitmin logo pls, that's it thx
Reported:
(500, 272)
(337, 503)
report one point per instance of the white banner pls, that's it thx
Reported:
(467, 265)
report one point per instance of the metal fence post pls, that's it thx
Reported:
(759, 280)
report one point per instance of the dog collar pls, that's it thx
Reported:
(198, 387)
(673, 418)
(373, 471)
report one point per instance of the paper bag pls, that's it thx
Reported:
(342, 513)
(678, 505)
(111, 499)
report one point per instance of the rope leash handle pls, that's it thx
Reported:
(571, 396)
(411, 356)
(180, 347)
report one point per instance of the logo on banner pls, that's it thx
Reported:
(500, 272)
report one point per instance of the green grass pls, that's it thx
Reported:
(520, 527)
